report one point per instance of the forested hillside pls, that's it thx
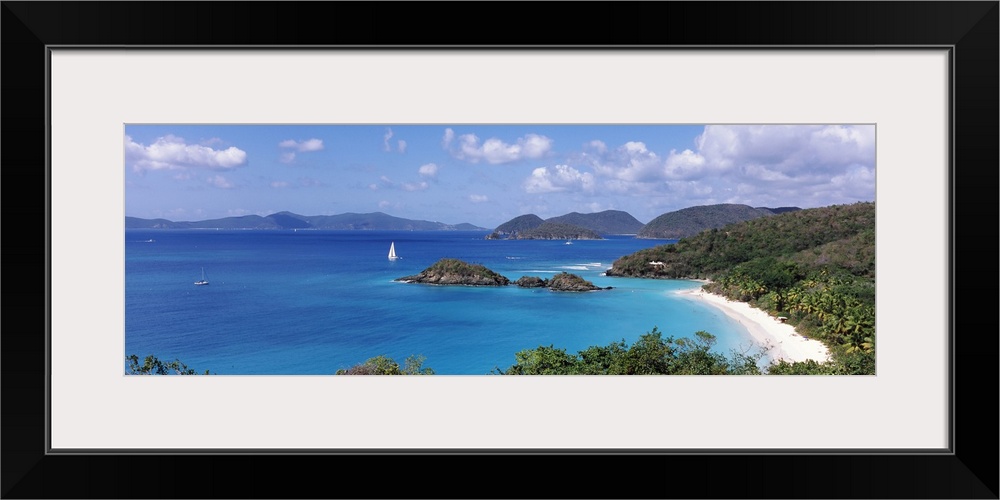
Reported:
(814, 266)
(556, 231)
(693, 220)
(606, 222)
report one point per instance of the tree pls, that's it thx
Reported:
(384, 365)
(693, 357)
(598, 360)
(414, 366)
(153, 366)
(652, 354)
(544, 361)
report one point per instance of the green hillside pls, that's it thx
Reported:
(555, 231)
(814, 266)
(693, 220)
(606, 222)
(514, 226)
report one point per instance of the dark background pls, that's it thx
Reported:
(970, 472)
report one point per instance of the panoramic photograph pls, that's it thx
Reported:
(488, 250)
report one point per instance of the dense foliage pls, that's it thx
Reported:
(455, 271)
(652, 354)
(456, 266)
(693, 220)
(557, 231)
(151, 365)
(564, 282)
(384, 365)
(568, 281)
(815, 266)
(714, 250)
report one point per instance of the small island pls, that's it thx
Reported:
(562, 282)
(457, 272)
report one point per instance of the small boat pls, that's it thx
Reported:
(203, 280)
(569, 242)
(392, 251)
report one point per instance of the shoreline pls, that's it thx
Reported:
(785, 343)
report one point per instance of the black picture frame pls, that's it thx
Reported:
(969, 28)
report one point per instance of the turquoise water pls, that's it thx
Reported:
(312, 302)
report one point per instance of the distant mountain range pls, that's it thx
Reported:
(288, 220)
(671, 225)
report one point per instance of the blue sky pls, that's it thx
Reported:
(488, 174)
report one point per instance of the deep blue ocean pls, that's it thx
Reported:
(312, 302)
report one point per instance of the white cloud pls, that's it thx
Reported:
(631, 162)
(309, 182)
(478, 198)
(764, 173)
(641, 164)
(279, 184)
(684, 165)
(449, 135)
(855, 183)
(792, 149)
(557, 179)
(401, 144)
(759, 165)
(597, 146)
(385, 139)
(802, 165)
(172, 153)
(495, 151)
(311, 145)
(302, 146)
(416, 186)
(428, 170)
(220, 182)
(384, 204)
(287, 157)
(535, 146)
(619, 186)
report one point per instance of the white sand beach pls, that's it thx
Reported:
(785, 342)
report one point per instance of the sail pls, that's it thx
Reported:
(392, 251)
(203, 281)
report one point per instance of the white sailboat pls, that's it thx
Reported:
(392, 251)
(203, 280)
